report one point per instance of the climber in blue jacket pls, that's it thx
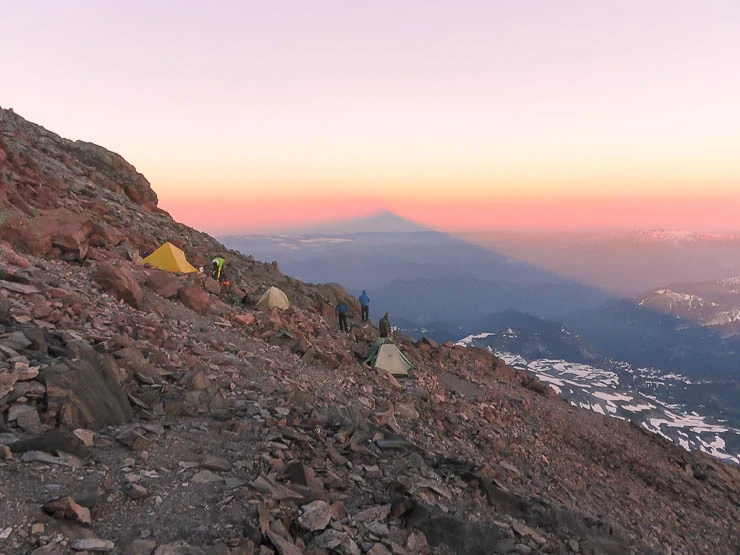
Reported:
(364, 306)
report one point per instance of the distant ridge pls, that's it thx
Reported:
(378, 222)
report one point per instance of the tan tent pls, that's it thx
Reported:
(274, 297)
(169, 257)
(384, 354)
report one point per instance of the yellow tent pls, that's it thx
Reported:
(169, 257)
(274, 297)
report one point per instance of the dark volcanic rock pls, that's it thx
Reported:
(52, 441)
(457, 535)
(85, 393)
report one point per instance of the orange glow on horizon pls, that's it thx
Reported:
(256, 215)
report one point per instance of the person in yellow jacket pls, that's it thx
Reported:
(217, 268)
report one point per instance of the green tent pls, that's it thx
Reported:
(384, 354)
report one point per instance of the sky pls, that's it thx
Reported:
(461, 115)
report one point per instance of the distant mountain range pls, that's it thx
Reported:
(630, 331)
(714, 304)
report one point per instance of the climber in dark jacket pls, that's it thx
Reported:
(384, 326)
(342, 310)
(364, 306)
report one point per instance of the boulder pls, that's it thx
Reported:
(66, 508)
(85, 393)
(212, 286)
(163, 283)
(52, 441)
(68, 231)
(245, 319)
(105, 236)
(19, 232)
(316, 516)
(195, 298)
(60, 228)
(121, 281)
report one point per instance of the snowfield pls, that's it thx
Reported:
(608, 392)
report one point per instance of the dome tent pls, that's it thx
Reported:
(384, 354)
(274, 297)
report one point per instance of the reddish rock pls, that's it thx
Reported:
(99, 208)
(303, 475)
(417, 543)
(163, 283)
(316, 516)
(197, 380)
(505, 372)
(245, 319)
(212, 286)
(430, 342)
(120, 281)
(66, 507)
(16, 259)
(18, 231)
(378, 549)
(66, 230)
(61, 229)
(283, 546)
(87, 437)
(195, 298)
(105, 236)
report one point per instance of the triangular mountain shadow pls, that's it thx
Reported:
(383, 221)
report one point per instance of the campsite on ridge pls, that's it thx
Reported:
(155, 411)
(370, 278)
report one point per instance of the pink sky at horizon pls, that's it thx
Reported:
(248, 115)
(705, 214)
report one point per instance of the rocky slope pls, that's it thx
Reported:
(145, 412)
